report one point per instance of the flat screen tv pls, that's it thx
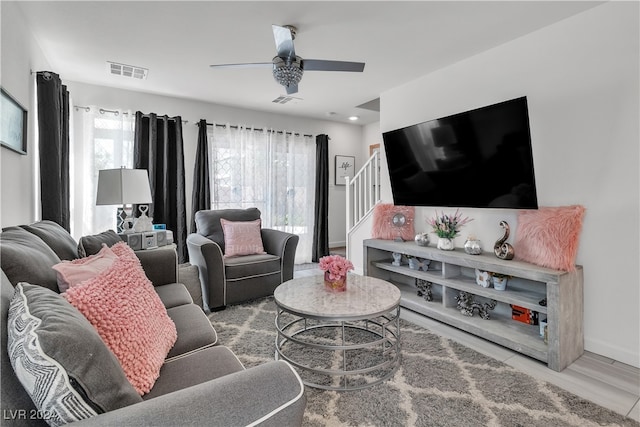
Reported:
(480, 158)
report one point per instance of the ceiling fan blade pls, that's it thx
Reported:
(284, 42)
(291, 89)
(324, 65)
(244, 65)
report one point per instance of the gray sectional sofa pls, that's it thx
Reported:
(200, 383)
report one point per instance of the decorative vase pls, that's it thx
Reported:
(422, 239)
(445, 244)
(337, 285)
(414, 264)
(473, 246)
(500, 283)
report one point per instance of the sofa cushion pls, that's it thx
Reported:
(72, 273)
(56, 237)
(195, 331)
(196, 368)
(173, 295)
(549, 236)
(91, 245)
(25, 257)
(123, 306)
(242, 238)
(251, 265)
(208, 221)
(61, 360)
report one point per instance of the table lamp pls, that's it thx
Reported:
(123, 187)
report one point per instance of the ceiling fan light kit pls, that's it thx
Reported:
(287, 72)
(288, 68)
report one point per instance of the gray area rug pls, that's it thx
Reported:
(439, 383)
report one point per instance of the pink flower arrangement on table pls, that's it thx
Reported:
(336, 266)
(448, 226)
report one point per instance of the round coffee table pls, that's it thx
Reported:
(339, 341)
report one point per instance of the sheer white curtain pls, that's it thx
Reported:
(273, 171)
(102, 139)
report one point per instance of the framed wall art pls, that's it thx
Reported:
(13, 128)
(345, 167)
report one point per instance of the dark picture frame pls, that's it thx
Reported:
(345, 167)
(13, 129)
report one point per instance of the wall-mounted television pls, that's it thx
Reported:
(480, 158)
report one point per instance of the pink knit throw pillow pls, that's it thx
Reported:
(123, 306)
(72, 273)
(549, 237)
(242, 237)
(383, 227)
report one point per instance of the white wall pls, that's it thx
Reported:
(20, 54)
(581, 79)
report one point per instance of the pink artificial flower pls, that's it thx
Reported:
(336, 265)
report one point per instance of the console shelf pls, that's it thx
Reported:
(451, 272)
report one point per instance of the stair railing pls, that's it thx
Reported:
(363, 191)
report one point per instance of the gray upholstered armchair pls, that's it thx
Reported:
(240, 278)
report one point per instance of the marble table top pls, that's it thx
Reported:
(365, 297)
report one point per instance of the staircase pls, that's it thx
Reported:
(363, 193)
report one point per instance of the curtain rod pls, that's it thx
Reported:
(258, 129)
(116, 112)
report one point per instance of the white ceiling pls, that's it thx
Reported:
(177, 40)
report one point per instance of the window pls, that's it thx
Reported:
(273, 171)
(101, 139)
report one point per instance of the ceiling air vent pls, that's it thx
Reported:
(127, 70)
(285, 99)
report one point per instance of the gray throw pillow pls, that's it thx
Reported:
(25, 257)
(56, 237)
(91, 245)
(61, 360)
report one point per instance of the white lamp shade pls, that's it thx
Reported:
(123, 186)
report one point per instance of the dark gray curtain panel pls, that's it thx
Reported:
(321, 215)
(53, 142)
(158, 148)
(201, 195)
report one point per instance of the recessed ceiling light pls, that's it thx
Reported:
(353, 118)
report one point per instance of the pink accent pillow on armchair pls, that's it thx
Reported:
(242, 237)
(549, 236)
(384, 229)
(72, 273)
(125, 309)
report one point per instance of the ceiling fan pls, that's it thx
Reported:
(288, 67)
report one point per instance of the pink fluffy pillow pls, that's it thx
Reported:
(549, 237)
(242, 237)
(72, 273)
(384, 229)
(123, 306)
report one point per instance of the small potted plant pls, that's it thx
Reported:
(447, 227)
(500, 281)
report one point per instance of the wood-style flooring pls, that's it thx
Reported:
(601, 380)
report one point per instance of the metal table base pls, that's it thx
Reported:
(379, 336)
